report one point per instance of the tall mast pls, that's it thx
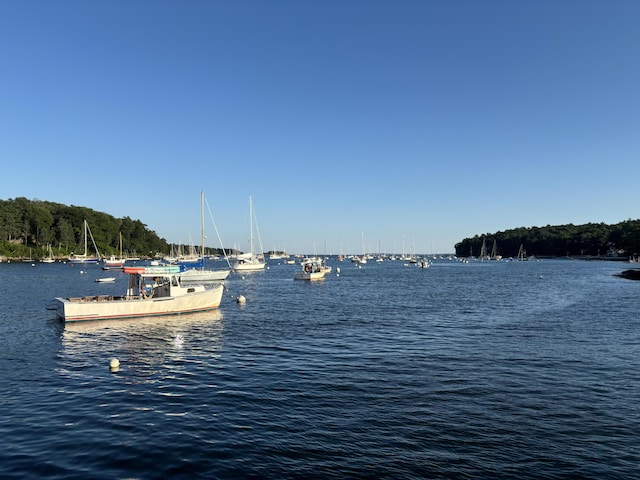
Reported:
(250, 224)
(202, 223)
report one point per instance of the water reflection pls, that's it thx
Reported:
(148, 346)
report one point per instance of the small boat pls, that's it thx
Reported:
(106, 279)
(49, 258)
(312, 269)
(85, 258)
(200, 274)
(114, 263)
(195, 275)
(250, 261)
(152, 291)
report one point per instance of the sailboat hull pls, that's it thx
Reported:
(248, 266)
(77, 260)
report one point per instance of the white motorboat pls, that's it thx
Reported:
(312, 269)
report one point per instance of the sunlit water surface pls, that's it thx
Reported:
(484, 370)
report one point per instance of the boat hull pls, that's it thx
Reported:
(108, 307)
(248, 267)
(194, 276)
(311, 276)
(78, 261)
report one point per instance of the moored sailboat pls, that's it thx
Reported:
(250, 261)
(84, 257)
(201, 274)
(113, 263)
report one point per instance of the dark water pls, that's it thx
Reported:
(485, 370)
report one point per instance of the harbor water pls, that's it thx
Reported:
(479, 370)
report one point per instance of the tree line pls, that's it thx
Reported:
(591, 239)
(28, 227)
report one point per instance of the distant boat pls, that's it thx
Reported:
(49, 258)
(30, 259)
(522, 254)
(106, 279)
(312, 269)
(201, 274)
(195, 275)
(250, 261)
(113, 263)
(152, 291)
(84, 257)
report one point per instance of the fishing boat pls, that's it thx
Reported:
(312, 269)
(152, 291)
(250, 261)
(84, 257)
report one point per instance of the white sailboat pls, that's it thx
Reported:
(522, 254)
(85, 258)
(200, 275)
(49, 258)
(250, 261)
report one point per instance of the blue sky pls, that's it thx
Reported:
(349, 122)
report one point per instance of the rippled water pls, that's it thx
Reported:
(485, 370)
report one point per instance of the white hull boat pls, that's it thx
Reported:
(85, 258)
(152, 291)
(199, 276)
(250, 261)
(312, 269)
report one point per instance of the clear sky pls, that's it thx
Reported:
(349, 122)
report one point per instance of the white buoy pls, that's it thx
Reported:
(114, 365)
(241, 300)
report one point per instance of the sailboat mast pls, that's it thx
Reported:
(202, 223)
(85, 237)
(250, 225)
